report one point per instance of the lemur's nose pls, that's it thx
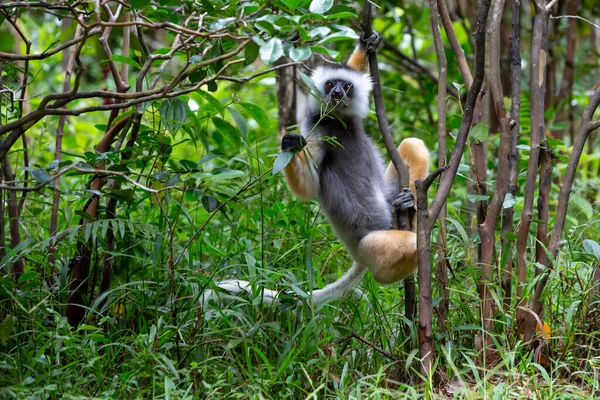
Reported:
(337, 92)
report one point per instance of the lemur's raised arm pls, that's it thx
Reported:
(347, 177)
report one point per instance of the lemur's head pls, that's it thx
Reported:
(344, 90)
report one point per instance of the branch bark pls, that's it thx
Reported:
(515, 115)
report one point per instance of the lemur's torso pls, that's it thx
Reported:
(352, 213)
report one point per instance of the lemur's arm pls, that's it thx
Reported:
(301, 174)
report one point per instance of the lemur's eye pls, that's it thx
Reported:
(328, 85)
(347, 87)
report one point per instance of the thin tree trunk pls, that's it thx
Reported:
(18, 266)
(537, 78)
(513, 182)
(488, 228)
(442, 268)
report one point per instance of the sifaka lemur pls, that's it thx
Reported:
(347, 177)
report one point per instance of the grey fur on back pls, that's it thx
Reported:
(353, 192)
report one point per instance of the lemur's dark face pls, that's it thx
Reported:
(338, 91)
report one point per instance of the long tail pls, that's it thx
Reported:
(339, 288)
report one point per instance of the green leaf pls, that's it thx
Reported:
(240, 121)
(320, 6)
(300, 53)
(271, 51)
(223, 173)
(188, 165)
(257, 113)
(292, 4)
(26, 276)
(196, 58)
(338, 36)
(282, 160)
(342, 15)
(265, 26)
(509, 201)
(554, 144)
(511, 236)
(327, 51)
(137, 4)
(311, 85)
(320, 31)
(6, 328)
(479, 133)
(39, 175)
(198, 75)
(460, 229)
(592, 248)
(209, 203)
(208, 7)
(212, 86)
(125, 60)
(193, 195)
(212, 101)
(474, 198)
(173, 113)
(228, 130)
(251, 52)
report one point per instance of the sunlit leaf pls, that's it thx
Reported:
(300, 53)
(282, 160)
(320, 6)
(592, 248)
(509, 201)
(271, 51)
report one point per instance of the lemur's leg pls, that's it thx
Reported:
(390, 255)
(301, 174)
(359, 59)
(415, 154)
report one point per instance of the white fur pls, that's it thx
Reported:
(334, 290)
(361, 83)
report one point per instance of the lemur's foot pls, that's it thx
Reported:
(404, 201)
(372, 42)
(293, 143)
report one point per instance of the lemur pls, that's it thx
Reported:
(347, 177)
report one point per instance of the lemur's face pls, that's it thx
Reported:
(338, 94)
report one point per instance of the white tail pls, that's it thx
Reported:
(334, 290)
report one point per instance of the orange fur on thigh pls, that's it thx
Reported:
(390, 255)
